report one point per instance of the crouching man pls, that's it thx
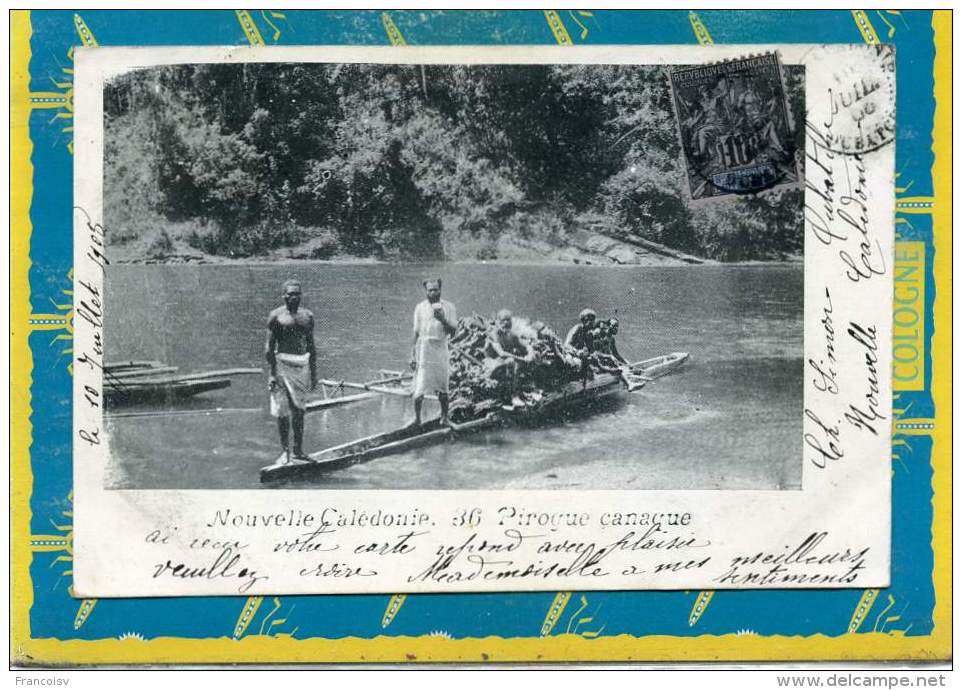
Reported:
(505, 354)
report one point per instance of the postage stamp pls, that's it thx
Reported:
(735, 127)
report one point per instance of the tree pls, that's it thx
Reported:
(403, 161)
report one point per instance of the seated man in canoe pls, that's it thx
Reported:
(580, 336)
(581, 340)
(554, 364)
(292, 359)
(605, 349)
(435, 320)
(505, 353)
(606, 357)
(610, 346)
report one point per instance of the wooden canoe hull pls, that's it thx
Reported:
(656, 367)
(355, 452)
(152, 392)
(579, 394)
(367, 449)
(575, 395)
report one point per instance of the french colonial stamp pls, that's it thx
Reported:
(734, 126)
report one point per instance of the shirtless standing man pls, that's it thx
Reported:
(434, 321)
(292, 358)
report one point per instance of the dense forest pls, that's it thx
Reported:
(408, 162)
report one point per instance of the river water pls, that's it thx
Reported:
(731, 418)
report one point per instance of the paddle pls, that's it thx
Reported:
(392, 379)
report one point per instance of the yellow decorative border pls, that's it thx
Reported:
(21, 360)
(565, 647)
(942, 337)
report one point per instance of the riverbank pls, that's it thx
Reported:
(212, 260)
(585, 248)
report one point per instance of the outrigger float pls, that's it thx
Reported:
(576, 394)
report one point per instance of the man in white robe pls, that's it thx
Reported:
(434, 321)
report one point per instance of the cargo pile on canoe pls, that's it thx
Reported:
(548, 368)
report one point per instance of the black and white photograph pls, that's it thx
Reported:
(401, 276)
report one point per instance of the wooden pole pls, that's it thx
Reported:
(163, 375)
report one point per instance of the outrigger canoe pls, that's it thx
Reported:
(150, 381)
(160, 390)
(576, 394)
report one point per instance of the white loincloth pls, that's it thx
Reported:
(433, 370)
(293, 383)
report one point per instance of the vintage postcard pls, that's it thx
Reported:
(442, 320)
(413, 336)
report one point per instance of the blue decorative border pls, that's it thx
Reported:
(907, 607)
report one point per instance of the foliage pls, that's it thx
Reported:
(414, 162)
